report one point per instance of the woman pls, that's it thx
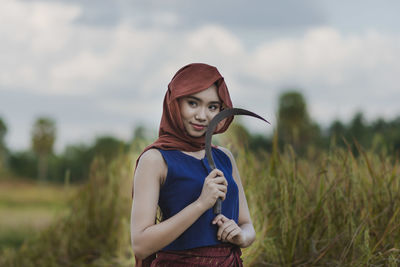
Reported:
(172, 173)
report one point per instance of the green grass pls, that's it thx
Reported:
(324, 209)
(27, 208)
(330, 209)
(95, 231)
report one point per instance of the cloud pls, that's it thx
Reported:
(189, 14)
(32, 35)
(92, 76)
(332, 68)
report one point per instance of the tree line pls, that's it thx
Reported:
(297, 128)
(41, 163)
(294, 127)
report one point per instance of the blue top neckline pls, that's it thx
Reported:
(190, 156)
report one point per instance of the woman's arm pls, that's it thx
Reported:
(243, 233)
(148, 237)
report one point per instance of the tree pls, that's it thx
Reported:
(139, 133)
(337, 131)
(76, 161)
(3, 148)
(140, 138)
(43, 138)
(358, 128)
(108, 147)
(23, 163)
(294, 124)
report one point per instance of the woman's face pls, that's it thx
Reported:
(199, 109)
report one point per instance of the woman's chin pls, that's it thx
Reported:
(197, 134)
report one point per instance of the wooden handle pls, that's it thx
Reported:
(218, 206)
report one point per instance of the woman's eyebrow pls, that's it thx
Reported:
(195, 98)
(200, 100)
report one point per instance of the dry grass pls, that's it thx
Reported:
(27, 208)
(326, 209)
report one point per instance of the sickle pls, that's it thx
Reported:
(226, 113)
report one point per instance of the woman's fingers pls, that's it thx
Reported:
(219, 218)
(232, 234)
(217, 176)
(216, 173)
(220, 180)
(215, 186)
(229, 228)
(222, 188)
(221, 195)
(220, 184)
(225, 228)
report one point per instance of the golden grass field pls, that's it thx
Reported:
(328, 208)
(27, 207)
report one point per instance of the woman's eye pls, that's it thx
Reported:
(214, 107)
(192, 103)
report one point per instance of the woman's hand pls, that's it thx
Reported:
(228, 230)
(215, 186)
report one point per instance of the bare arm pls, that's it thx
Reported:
(148, 237)
(243, 233)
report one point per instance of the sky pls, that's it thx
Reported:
(102, 67)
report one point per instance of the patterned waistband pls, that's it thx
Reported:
(219, 255)
(221, 250)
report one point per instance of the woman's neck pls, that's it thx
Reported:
(197, 154)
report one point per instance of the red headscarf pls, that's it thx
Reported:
(189, 80)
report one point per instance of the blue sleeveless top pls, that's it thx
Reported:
(183, 186)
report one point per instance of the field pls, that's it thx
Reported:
(27, 208)
(323, 209)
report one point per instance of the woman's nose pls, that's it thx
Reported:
(201, 115)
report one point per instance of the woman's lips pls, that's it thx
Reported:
(198, 127)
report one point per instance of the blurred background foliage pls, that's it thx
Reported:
(318, 196)
(294, 127)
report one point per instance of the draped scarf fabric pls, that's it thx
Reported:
(189, 80)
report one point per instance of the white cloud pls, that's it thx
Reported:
(122, 67)
(344, 72)
(31, 35)
(214, 38)
(323, 55)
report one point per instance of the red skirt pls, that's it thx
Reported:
(224, 255)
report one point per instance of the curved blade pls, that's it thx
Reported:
(226, 113)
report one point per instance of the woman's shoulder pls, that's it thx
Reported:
(152, 162)
(151, 156)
